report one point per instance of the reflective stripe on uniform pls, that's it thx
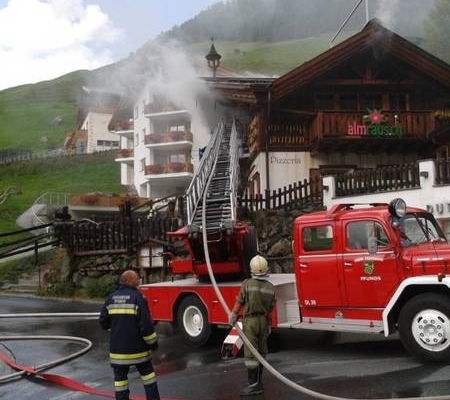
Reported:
(148, 379)
(251, 364)
(128, 359)
(120, 386)
(150, 338)
(122, 309)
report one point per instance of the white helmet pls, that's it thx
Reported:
(258, 266)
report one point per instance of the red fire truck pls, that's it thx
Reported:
(379, 268)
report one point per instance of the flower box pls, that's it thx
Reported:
(89, 198)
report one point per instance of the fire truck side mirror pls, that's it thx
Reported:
(372, 245)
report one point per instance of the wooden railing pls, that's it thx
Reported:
(123, 126)
(118, 236)
(168, 137)
(293, 197)
(335, 123)
(378, 180)
(124, 153)
(159, 106)
(171, 168)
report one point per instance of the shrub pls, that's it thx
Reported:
(66, 289)
(100, 287)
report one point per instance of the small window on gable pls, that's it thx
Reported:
(348, 101)
(371, 101)
(397, 101)
(324, 101)
(317, 238)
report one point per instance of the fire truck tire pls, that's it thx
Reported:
(424, 327)
(250, 245)
(192, 321)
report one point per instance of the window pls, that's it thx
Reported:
(144, 132)
(348, 101)
(107, 143)
(397, 101)
(324, 101)
(418, 228)
(136, 112)
(177, 158)
(136, 139)
(176, 128)
(142, 162)
(317, 238)
(357, 234)
(371, 101)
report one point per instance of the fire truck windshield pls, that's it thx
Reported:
(419, 228)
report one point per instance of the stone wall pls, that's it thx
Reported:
(274, 229)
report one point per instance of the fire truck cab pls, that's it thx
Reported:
(379, 268)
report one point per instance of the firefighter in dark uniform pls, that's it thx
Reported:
(257, 297)
(132, 336)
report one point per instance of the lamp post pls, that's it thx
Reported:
(213, 58)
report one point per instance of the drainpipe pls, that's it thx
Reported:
(267, 141)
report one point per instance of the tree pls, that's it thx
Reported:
(436, 32)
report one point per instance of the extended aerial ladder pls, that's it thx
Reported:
(230, 242)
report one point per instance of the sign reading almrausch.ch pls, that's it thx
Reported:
(374, 124)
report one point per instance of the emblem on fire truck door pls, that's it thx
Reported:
(368, 267)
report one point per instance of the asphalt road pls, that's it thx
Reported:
(346, 365)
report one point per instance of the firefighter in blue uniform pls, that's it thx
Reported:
(257, 297)
(132, 336)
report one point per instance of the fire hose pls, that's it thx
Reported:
(23, 370)
(257, 355)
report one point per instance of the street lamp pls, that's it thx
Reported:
(213, 58)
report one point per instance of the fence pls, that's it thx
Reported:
(381, 179)
(119, 236)
(15, 156)
(296, 196)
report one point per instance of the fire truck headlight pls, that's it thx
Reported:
(397, 207)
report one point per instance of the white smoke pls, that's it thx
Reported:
(387, 12)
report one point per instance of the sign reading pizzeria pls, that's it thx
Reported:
(374, 124)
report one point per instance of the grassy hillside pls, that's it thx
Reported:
(267, 58)
(75, 174)
(27, 112)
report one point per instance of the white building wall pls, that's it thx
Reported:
(434, 198)
(96, 125)
(286, 168)
(141, 124)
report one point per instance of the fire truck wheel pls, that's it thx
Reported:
(250, 245)
(424, 327)
(192, 320)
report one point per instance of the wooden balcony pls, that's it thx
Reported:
(125, 153)
(159, 106)
(122, 126)
(171, 168)
(168, 137)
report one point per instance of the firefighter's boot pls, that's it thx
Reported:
(260, 372)
(254, 387)
(152, 392)
(122, 395)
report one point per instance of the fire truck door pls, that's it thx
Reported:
(316, 268)
(369, 278)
